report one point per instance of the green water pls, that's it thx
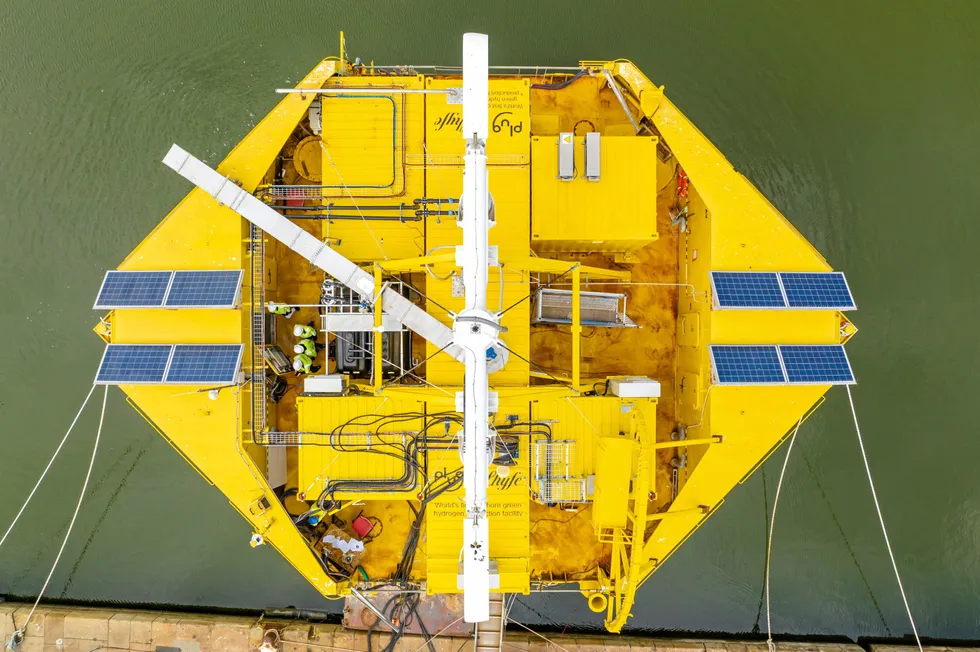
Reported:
(858, 120)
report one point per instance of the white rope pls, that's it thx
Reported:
(772, 523)
(47, 468)
(582, 414)
(71, 524)
(437, 634)
(881, 519)
(541, 636)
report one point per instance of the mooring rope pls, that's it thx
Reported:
(772, 522)
(19, 634)
(47, 468)
(881, 519)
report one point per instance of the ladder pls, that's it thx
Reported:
(489, 635)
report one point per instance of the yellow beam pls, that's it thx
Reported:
(551, 266)
(445, 396)
(547, 376)
(626, 574)
(700, 509)
(408, 264)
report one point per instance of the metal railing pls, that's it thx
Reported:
(257, 357)
(553, 464)
(339, 441)
(608, 309)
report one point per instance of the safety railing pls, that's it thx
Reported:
(553, 464)
(257, 357)
(351, 441)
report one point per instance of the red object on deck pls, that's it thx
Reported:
(682, 182)
(362, 526)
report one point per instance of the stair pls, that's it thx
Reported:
(490, 635)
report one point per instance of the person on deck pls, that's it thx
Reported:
(309, 346)
(303, 364)
(305, 332)
(280, 309)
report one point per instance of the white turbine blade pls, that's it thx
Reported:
(476, 58)
(309, 247)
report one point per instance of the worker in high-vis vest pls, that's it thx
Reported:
(280, 309)
(303, 364)
(305, 332)
(308, 346)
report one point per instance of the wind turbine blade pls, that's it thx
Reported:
(476, 58)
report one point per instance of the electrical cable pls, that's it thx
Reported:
(560, 85)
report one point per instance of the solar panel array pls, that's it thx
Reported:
(165, 289)
(819, 364)
(775, 290)
(170, 364)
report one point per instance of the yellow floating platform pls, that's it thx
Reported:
(618, 427)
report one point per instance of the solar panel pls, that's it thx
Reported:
(817, 290)
(817, 365)
(204, 289)
(200, 364)
(122, 289)
(747, 290)
(747, 365)
(133, 363)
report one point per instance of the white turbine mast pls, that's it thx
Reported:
(475, 329)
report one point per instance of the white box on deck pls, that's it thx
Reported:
(566, 155)
(592, 156)
(316, 125)
(275, 465)
(328, 384)
(634, 387)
